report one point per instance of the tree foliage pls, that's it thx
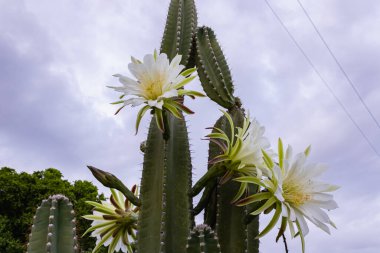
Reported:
(20, 195)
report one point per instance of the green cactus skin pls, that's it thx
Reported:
(164, 220)
(177, 186)
(53, 229)
(151, 193)
(180, 27)
(228, 220)
(211, 208)
(213, 70)
(203, 240)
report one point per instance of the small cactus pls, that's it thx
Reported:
(53, 229)
(202, 240)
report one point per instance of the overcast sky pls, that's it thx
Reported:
(57, 56)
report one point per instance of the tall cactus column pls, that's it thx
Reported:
(53, 229)
(228, 220)
(165, 221)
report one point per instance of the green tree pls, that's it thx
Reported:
(21, 193)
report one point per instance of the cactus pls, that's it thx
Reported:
(166, 214)
(229, 221)
(203, 240)
(53, 229)
(165, 185)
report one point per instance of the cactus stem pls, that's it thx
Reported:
(212, 173)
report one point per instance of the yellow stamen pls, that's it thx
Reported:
(294, 193)
(152, 89)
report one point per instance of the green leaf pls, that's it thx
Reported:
(254, 198)
(159, 119)
(118, 110)
(280, 153)
(182, 107)
(232, 126)
(252, 180)
(212, 173)
(92, 228)
(268, 161)
(236, 148)
(273, 222)
(117, 102)
(301, 236)
(100, 207)
(242, 190)
(171, 108)
(102, 241)
(307, 150)
(188, 72)
(219, 136)
(140, 114)
(267, 204)
(190, 93)
(184, 82)
(281, 231)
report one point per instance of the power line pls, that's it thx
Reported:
(339, 65)
(321, 77)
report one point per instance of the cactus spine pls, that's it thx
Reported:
(53, 229)
(203, 240)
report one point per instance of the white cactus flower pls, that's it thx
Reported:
(242, 150)
(291, 189)
(158, 84)
(115, 223)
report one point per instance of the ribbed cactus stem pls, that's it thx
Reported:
(165, 218)
(213, 69)
(203, 239)
(53, 230)
(179, 29)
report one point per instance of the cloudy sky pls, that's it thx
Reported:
(57, 56)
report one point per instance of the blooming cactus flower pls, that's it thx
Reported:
(115, 223)
(291, 189)
(241, 151)
(158, 84)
